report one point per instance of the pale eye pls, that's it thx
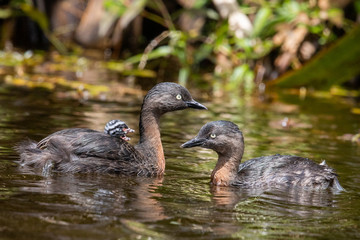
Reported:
(178, 97)
(213, 135)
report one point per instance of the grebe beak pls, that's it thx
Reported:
(195, 142)
(195, 104)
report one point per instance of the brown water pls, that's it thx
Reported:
(181, 205)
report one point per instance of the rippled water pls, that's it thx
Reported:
(182, 204)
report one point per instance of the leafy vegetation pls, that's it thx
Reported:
(323, 70)
(281, 35)
(235, 61)
(26, 8)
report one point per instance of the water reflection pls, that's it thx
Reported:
(106, 196)
(229, 196)
(182, 205)
(268, 212)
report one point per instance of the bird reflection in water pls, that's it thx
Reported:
(281, 198)
(105, 197)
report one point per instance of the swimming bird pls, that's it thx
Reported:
(81, 150)
(226, 139)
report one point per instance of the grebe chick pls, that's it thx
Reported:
(227, 141)
(118, 128)
(80, 150)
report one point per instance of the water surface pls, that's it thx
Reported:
(182, 204)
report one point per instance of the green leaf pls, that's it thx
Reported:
(5, 13)
(237, 77)
(203, 52)
(35, 15)
(200, 3)
(132, 11)
(261, 19)
(145, 73)
(183, 75)
(159, 52)
(323, 70)
(115, 6)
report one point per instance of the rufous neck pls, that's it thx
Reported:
(226, 168)
(150, 138)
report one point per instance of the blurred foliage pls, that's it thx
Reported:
(234, 59)
(330, 67)
(13, 59)
(63, 72)
(30, 70)
(84, 90)
(279, 28)
(26, 8)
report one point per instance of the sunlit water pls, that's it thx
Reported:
(182, 204)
